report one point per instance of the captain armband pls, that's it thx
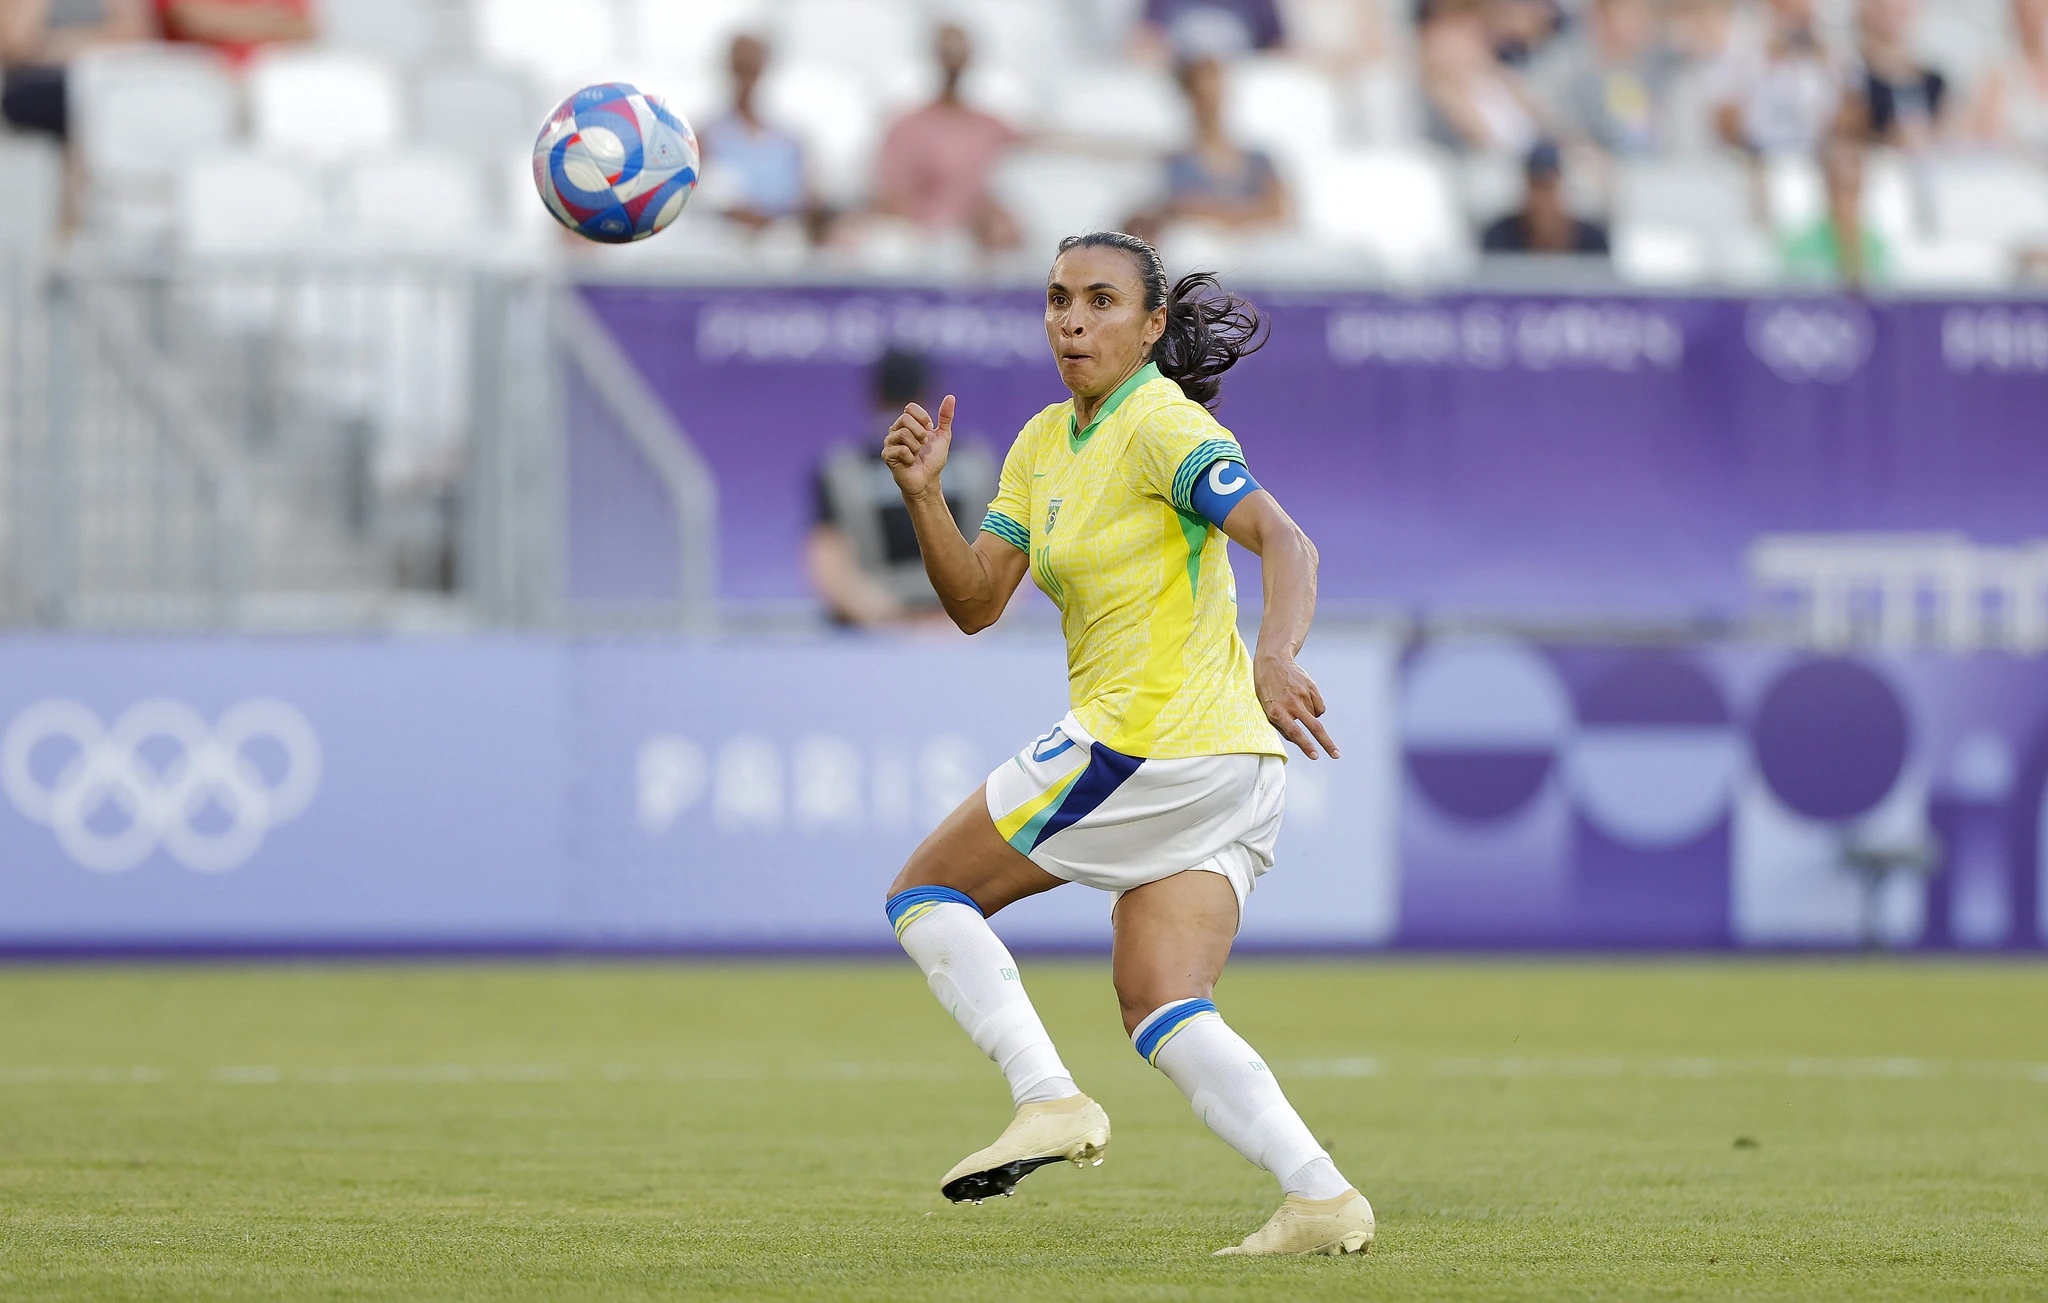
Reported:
(1220, 487)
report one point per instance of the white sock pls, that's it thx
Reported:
(971, 972)
(1235, 1095)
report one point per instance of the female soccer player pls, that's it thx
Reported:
(1163, 783)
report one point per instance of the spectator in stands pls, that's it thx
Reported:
(1838, 249)
(38, 38)
(935, 162)
(862, 554)
(756, 170)
(1544, 224)
(237, 28)
(1707, 61)
(1607, 85)
(1208, 29)
(1902, 99)
(2011, 105)
(1784, 100)
(1341, 35)
(1215, 180)
(1521, 29)
(1474, 101)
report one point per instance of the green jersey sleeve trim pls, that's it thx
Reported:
(1206, 454)
(1007, 530)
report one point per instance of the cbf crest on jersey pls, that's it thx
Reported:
(1052, 513)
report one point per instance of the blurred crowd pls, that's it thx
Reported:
(1750, 141)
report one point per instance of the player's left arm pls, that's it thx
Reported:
(1228, 496)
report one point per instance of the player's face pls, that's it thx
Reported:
(1095, 319)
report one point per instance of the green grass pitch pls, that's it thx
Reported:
(1624, 1130)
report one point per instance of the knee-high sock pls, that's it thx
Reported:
(1235, 1094)
(971, 972)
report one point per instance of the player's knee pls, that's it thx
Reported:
(1140, 996)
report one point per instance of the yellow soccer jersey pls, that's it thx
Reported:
(1155, 666)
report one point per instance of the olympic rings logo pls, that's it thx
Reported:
(159, 777)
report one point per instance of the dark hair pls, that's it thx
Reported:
(1207, 328)
(900, 377)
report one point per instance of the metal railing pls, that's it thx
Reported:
(313, 447)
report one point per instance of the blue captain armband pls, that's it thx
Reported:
(1221, 486)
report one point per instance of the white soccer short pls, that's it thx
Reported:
(1092, 815)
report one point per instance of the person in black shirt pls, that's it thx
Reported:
(862, 553)
(1544, 224)
(1902, 99)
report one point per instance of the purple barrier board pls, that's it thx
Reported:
(720, 797)
(1515, 456)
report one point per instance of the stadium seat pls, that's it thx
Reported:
(836, 115)
(1661, 256)
(140, 113)
(420, 200)
(1491, 185)
(1894, 195)
(883, 44)
(1708, 195)
(1284, 106)
(1954, 265)
(562, 42)
(692, 41)
(1398, 205)
(1138, 106)
(31, 170)
(400, 31)
(1793, 195)
(1993, 200)
(473, 110)
(1031, 38)
(323, 105)
(1054, 195)
(245, 203)
(1385, 107)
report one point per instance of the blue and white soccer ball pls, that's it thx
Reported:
(615, 164)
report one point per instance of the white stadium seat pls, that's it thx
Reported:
(1054, 195)
(481, 111)
(143, 110)
(693, 40)
(887, 45)
(1661, 256)
(2000, 201)
(1491, 184)
(1141, 107)
(1710, 194)
(403, 31)
(1400, 206)
(425, 201)
(1284, 106)
(248, 204)
(323, 105)
(562, 42)
(140, 113)
(835, 114)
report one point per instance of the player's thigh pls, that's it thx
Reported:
(966, 853)
(1171, 940)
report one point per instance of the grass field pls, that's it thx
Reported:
(1623, 1130)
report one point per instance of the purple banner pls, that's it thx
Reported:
(1720, 795)
(1513, 456)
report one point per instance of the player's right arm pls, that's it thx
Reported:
(974, 581)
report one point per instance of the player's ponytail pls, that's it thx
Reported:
(1207, 328)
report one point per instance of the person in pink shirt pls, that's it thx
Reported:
(935, 161)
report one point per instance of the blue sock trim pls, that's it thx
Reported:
(906, 907)
(1163, 1025)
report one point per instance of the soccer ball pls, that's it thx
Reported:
(615, 164)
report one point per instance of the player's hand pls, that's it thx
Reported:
(917, 446)
(1293, 703)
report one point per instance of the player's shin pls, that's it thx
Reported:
(971, 972)
(1232, 1090)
